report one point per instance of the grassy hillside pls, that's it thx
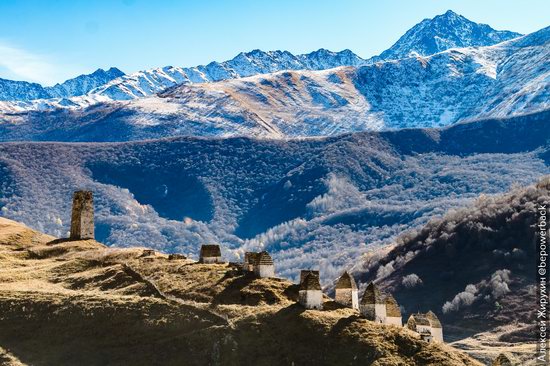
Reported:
(81, 303)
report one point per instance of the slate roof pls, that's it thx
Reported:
(210, 250)
(419, 319)
(433, 319)
(305, 272)
(263, 259)
(392, 308)
(346, 282)
(372, 295)
(250, 257)
(310, 282)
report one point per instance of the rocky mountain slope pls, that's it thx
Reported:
(475, 266)
(23, 91)
(510, 78)
(84, 84)
(312, 202)
(443, 32)
(117, 307)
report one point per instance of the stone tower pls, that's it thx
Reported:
(373, 306)
(82, 218)
(422, 323)
(310, 294)
(346, 291)
(264, 266)
(210, 253)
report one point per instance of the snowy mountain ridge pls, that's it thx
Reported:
(511, 78)
(113, 84)
(22, 91)
(431, 36)
(148, 82)
(83, 84)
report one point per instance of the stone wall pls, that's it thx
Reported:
(394, 320)
(311, 299)
(209, 260)
(437, 334)
(374, 312)
(265, 271)
(347, 297)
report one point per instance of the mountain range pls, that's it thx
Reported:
(360, 188)
(445, 31)
(115, 85)
(256, 62)
(24, 91)
(392, 168)
(509, 78)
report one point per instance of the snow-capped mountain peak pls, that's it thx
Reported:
(84, 83)
(445, 31)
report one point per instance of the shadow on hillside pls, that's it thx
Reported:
(291, 312)
(249, 290)
(332, 305)
(343, 324)
(115, 332)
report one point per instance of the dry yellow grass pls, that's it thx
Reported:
(7, 359)
(81, 303)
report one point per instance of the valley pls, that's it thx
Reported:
(313, 202)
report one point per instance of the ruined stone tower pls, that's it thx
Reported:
(82, 218)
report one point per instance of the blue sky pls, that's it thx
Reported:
(50, 41)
